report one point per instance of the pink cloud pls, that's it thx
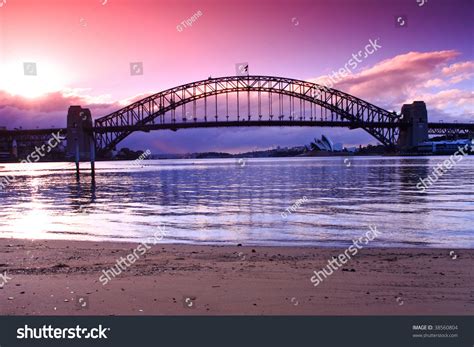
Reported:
(51, 102)
(49, 109)
(413, 76)
(465, 66)
(462, 100)
(395, 77)
(435, 82)
(134, 98)
(452, 74)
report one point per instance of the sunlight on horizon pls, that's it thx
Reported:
(49, 78)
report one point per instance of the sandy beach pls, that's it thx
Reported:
(62, 278)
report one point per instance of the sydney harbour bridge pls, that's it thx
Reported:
(244, 101)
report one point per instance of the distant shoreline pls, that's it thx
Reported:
(238, 156)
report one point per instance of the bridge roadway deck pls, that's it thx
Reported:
(241, 123)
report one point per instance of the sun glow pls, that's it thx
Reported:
(32, 81)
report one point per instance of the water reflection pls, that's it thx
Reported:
(217, 201)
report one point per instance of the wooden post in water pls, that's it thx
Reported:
(92, 154)
(77, 159)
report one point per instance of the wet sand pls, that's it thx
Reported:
(62, 278)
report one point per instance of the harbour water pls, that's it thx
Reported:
(247, 201)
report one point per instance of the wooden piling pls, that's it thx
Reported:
(77, 159)
(92, 155)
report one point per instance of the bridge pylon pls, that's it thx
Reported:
(80, 136)
(79, 132)
(415, 125)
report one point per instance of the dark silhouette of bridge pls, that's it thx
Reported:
(275, 99)
(244, 101)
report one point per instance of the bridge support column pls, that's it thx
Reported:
(415, 129)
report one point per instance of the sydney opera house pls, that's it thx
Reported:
(325, 144)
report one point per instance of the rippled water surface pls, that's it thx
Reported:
(227, 201)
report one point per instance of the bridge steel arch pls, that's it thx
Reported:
(357, 113)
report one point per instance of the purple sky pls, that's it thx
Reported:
(82, 50)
